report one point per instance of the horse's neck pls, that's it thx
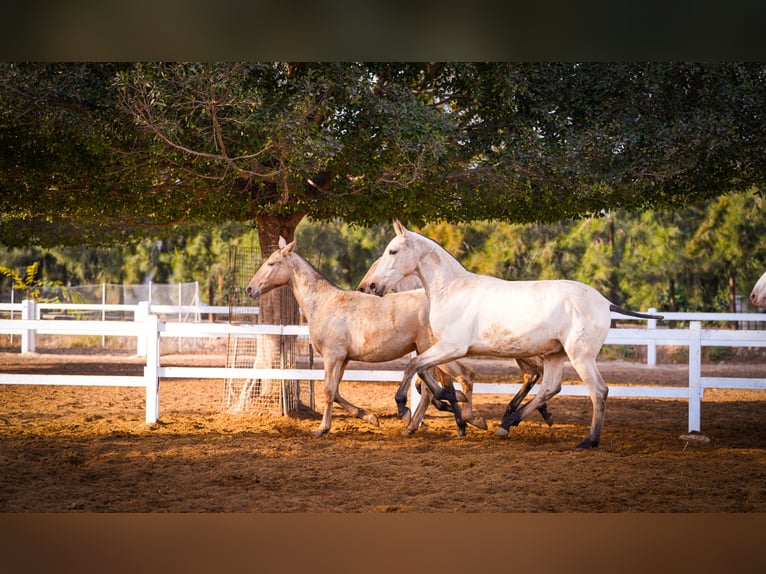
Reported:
(308, 284)
(437, 269)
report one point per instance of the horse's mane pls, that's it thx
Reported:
(435, 247)
(316, 272)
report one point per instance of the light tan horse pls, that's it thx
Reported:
(350, 325)
(758, 294)
(474, 314)
(531, 367)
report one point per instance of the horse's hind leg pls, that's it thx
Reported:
(356, 411)
(590, 375)
(531, 370)
(468, 415)
(526, 386)
(550, 386)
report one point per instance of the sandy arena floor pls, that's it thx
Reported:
(87, 449)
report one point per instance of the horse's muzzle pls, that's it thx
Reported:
(375, 289)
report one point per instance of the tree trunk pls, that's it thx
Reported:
(277, 307)
(672, 303)
(613, 259)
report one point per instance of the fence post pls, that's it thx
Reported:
(651, 348)
(139, 316)
(28, 313)
(151, 336)
(696, 391)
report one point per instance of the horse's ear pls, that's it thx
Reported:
(284, 247)
(399, 228)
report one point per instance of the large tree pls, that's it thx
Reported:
(276, 142)
(97, 151)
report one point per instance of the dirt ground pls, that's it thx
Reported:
(87, 449)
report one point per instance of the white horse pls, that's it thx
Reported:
(480, 315)
(758, 294)
(350, 325)
(531, 367)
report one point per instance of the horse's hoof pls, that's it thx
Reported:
(319, 433)
(479, 423)
(408, 432)
(511, 420)
(500, 431)
(586, 444)
(372, 419)
(549, 420)
(461, 432)
(406, 416)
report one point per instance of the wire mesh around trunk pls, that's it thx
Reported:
(257, 395)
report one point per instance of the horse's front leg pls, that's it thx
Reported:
(457, 371)
(449, 393)
(333, 369)
(440, 353)
(401, 392)
(426, 399)
(430, 358)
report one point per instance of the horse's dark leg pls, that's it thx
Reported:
(550, 386)
(547, 416)
(447, 393)
(587, 443)
(421, 365)
(519, 396)
(440, 405)
(401, 394)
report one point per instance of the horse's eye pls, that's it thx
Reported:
(392, 251)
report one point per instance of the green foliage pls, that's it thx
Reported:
(28, 282)
(33, 286)
(99, 153)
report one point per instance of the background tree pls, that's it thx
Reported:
(729, 243)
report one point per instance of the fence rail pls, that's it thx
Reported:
(147, 329)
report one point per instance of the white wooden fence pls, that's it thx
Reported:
(147, 329)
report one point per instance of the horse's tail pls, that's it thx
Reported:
(622, 311)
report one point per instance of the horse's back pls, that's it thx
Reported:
(520, 318)
(535, 298)
(372, 328)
